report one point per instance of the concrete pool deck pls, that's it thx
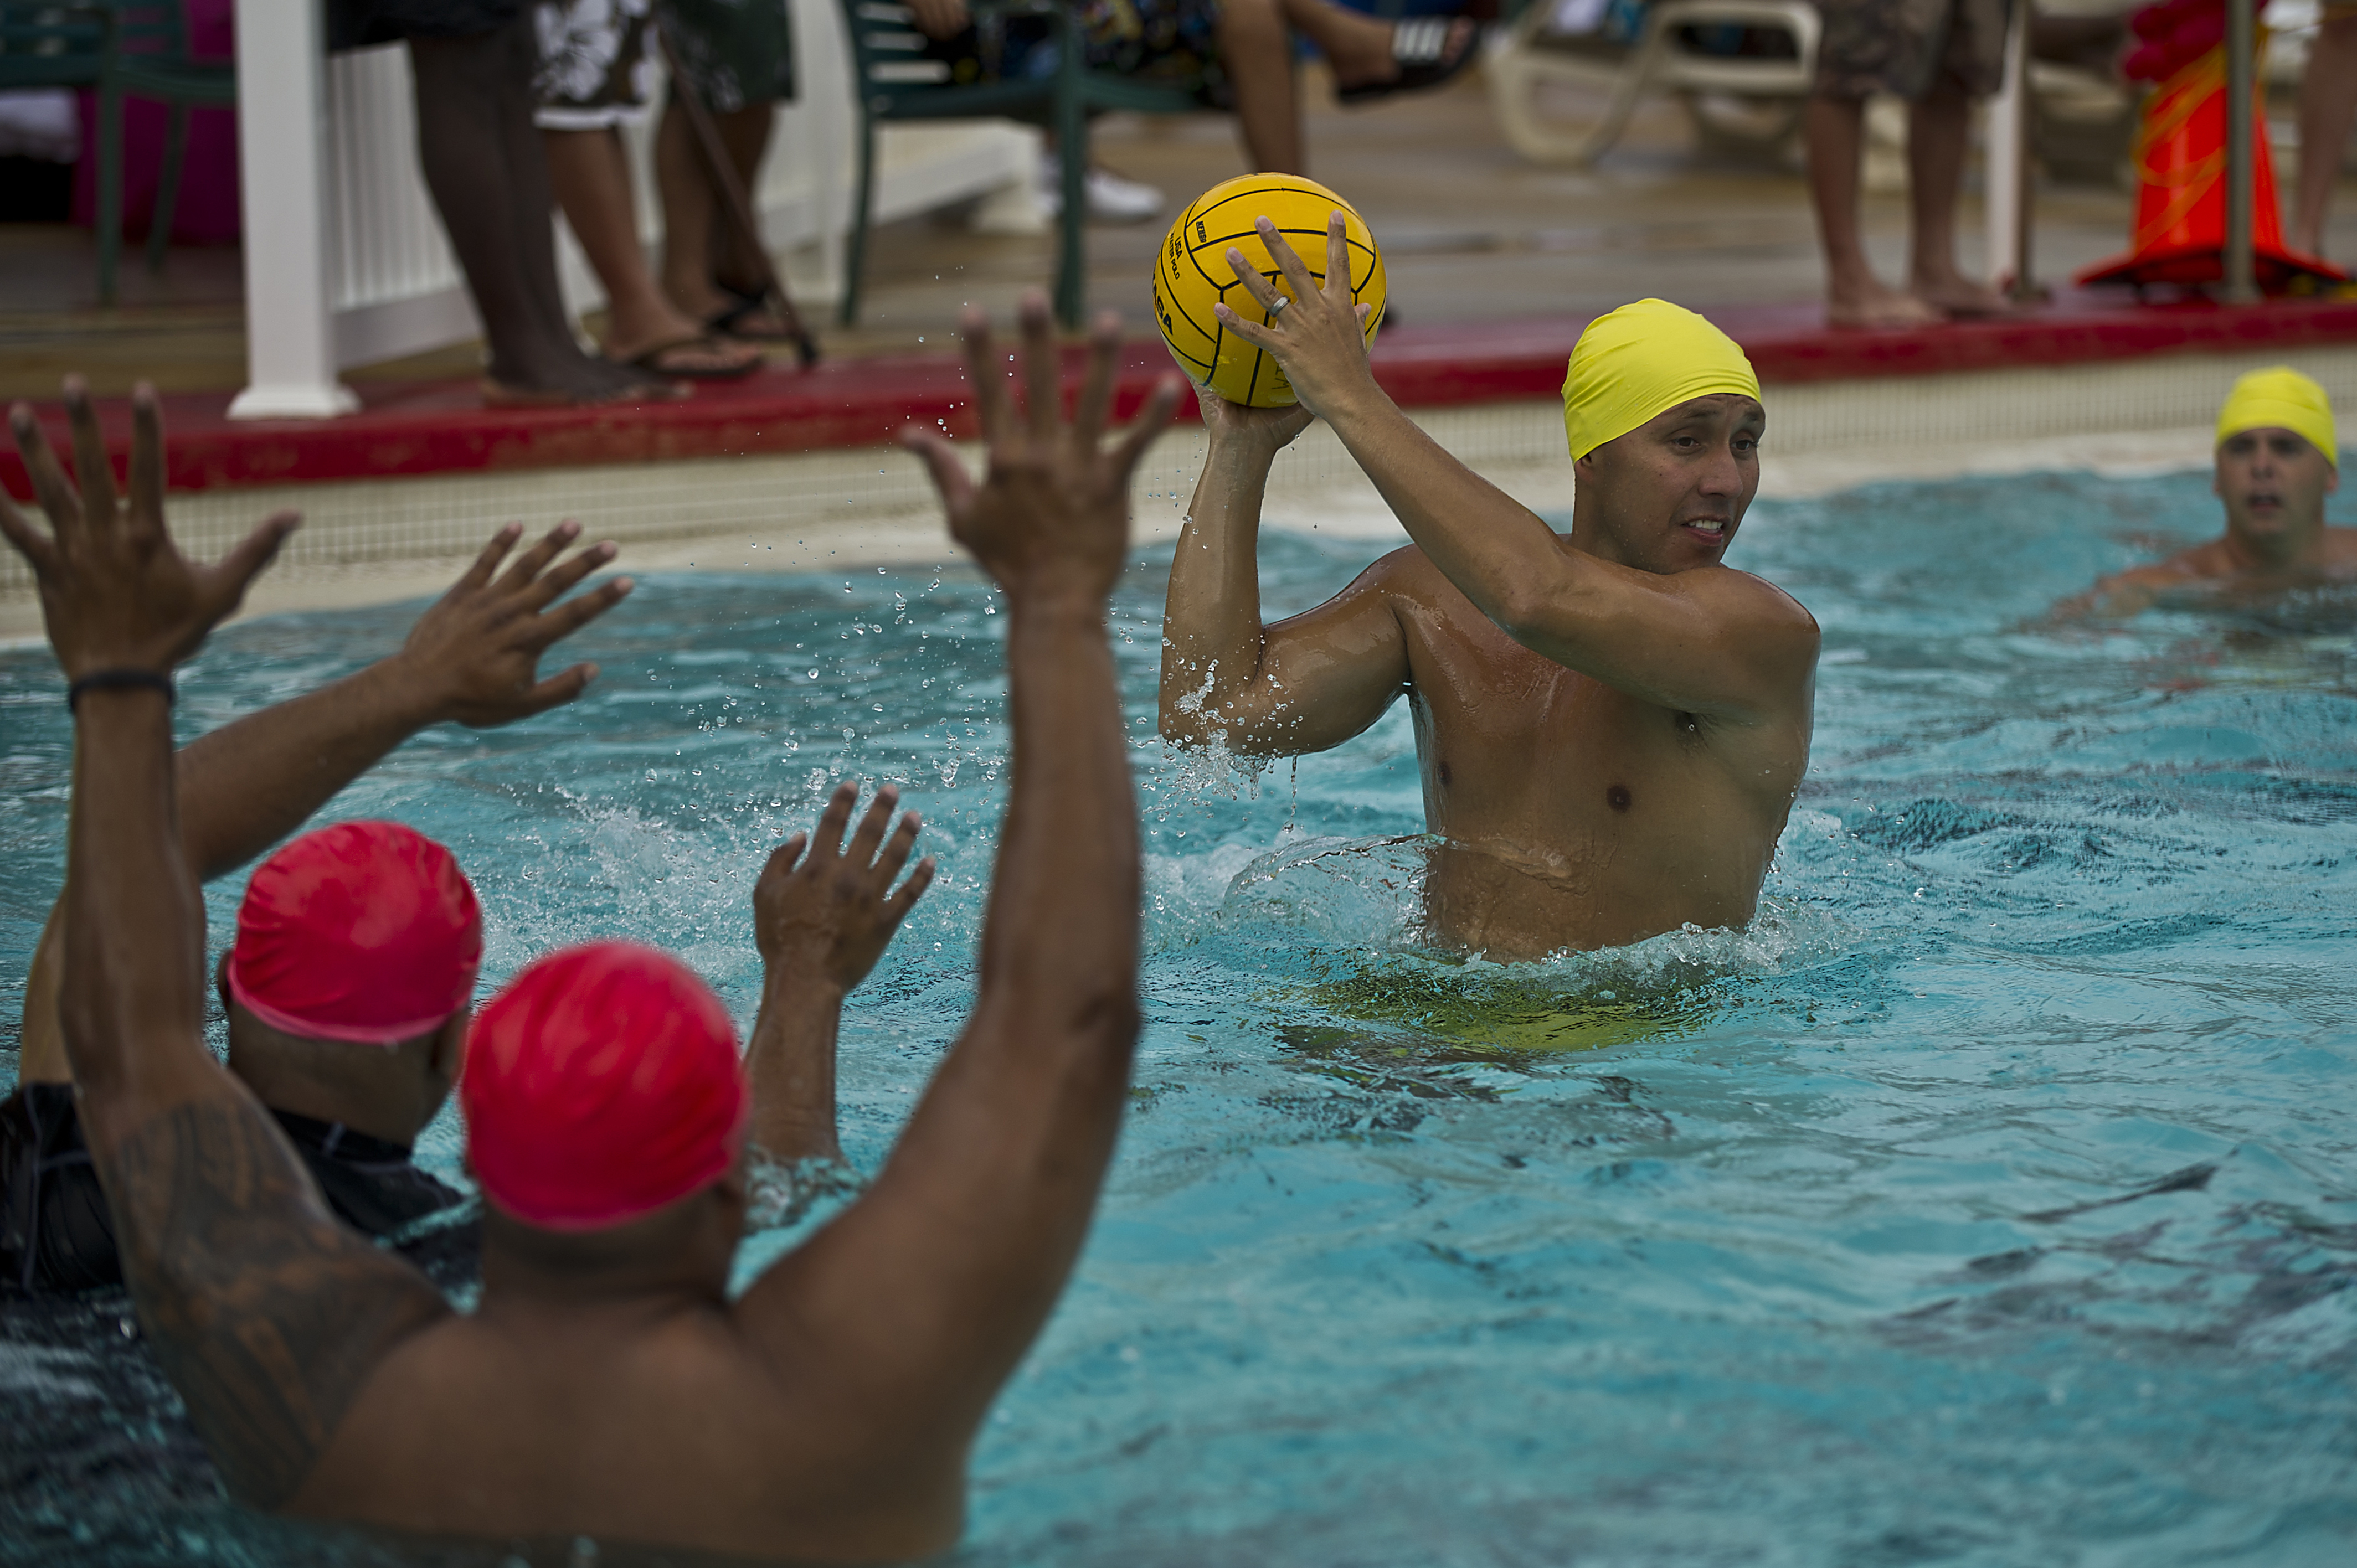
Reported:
(786, 472)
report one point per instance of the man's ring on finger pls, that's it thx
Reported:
(1279, 304)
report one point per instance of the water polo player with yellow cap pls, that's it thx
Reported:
(2277, 460)
(1612, 724)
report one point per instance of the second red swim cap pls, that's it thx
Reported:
(601, 1085)
(364, 932)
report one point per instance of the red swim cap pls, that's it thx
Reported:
(364, 932)
(602, 1084)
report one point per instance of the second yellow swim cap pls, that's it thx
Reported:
(1640, 360)
(2280, 398)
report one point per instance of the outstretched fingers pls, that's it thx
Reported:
(1096, 392)
(984, 375)
(828, 836)
(147, 518)
(1042, 367)
(1288, 260)
(872, 823)
(897, 908)
(1249, 278)
(1338, 259)
(782, 858)
(35, 547)
(49, 484)
(1160, 405)
(241, 566)
(534, 560)
(557, 691)
(551, 586)
(556, 624)
(897, 848)
(93, 467)
(487, 560)
(942, 467)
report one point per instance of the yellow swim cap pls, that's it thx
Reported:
(2283, 399)
(1641, 360)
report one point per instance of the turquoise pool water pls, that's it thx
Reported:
(1990, 1201)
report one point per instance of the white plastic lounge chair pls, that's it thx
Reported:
(1559, 41)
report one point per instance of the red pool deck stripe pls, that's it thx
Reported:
(407, 430)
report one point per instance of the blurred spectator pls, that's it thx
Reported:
(739, 58)
(595, 77)
(1233, 54)
(471, 64)
(1938, 54)
(39, 140)
(2328, 101)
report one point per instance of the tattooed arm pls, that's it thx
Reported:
(267, 1313)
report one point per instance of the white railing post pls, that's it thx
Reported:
(282, 136)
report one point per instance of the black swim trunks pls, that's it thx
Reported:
(359, 24)
(56, 1233)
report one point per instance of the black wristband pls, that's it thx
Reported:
(119, 681)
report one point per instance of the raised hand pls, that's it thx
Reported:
(1053, 511)
(830, 913)
(115, 593)
(1321, 335)
(1265, 429)
(475, 655)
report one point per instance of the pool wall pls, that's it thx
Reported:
(373, 540)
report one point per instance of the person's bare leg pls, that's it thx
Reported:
(1358, 47)
(1257, 51)
(691, 211)
(482, 162)
(592, 180)
(1937, 126)
(745, 133)
(2327, 102)
(701, 245)
(1833, 131)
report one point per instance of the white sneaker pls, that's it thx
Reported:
(1111, 199)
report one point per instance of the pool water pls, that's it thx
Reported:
(1990, 1200)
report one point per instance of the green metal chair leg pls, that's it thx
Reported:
(1072, 165)
(856, 260)
(168, 191)
(110, 189)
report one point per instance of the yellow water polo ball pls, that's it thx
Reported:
(1191, 274)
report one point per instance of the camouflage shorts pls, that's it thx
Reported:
(1906, 45)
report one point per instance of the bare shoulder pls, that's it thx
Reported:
(2340, 548)
(1774, 609)
(266, 1312)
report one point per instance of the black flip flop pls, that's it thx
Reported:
(1420, 44)
(727, 319)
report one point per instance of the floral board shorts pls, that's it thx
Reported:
(1905, 46)
(734, 52)
(594, 69)
(1168, 42)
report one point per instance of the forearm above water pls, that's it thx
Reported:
(1060, 937)
(1212, 638)
(131, 994)
(240, 790)
(1489, 545)
(250, 783)
(791, 1064)
(941, 1275)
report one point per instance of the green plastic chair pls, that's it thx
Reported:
(51, 45)
(147, 57)
(895, 80)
